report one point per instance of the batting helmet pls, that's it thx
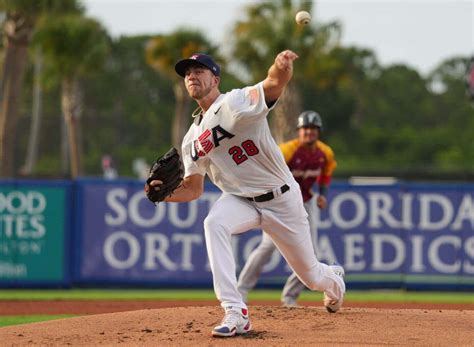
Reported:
(309, 119)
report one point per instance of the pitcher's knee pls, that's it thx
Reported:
(214, 224)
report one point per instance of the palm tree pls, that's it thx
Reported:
(73, 47)
(18, 27)
(162, 52)
(268, 28)
(36, 115)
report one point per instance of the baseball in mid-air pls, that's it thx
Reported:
(303, 18)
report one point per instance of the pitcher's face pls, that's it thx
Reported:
(199, 81)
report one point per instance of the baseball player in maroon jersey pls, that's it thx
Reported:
(230, 142)
(310, 161)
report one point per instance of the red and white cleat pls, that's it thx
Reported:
(235, 322)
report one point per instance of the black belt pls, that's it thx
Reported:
(269, 196)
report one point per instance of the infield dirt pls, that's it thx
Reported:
(273, 325)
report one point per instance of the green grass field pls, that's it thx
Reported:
(177, 294)
(14, 320)
(205, 294)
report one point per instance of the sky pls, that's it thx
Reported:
(417, 33)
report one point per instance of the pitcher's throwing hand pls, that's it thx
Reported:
(285, 59)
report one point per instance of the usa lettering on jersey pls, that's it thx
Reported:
(208, 140)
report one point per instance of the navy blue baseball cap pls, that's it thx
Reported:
(197, 59)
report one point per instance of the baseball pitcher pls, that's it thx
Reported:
(230, 142)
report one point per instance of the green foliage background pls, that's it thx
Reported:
(380, 120)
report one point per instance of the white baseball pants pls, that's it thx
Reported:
(261, 255)
(285, 220)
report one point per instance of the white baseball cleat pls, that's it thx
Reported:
(332, 305)
(236, 322)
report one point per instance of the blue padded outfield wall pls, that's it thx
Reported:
(95, 233)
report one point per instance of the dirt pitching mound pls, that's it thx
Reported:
(272, 326)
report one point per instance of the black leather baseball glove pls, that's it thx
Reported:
(168, 169)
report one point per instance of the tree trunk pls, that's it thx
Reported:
(181, 114)
(17, 31)
(64, 148)
(71, 102)
(285, 114)
(33, 143)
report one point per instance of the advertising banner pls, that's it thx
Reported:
(384, 236)
(33, 233)
(125, 238)
(400, 236)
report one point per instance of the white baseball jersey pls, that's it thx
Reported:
(232, 144)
